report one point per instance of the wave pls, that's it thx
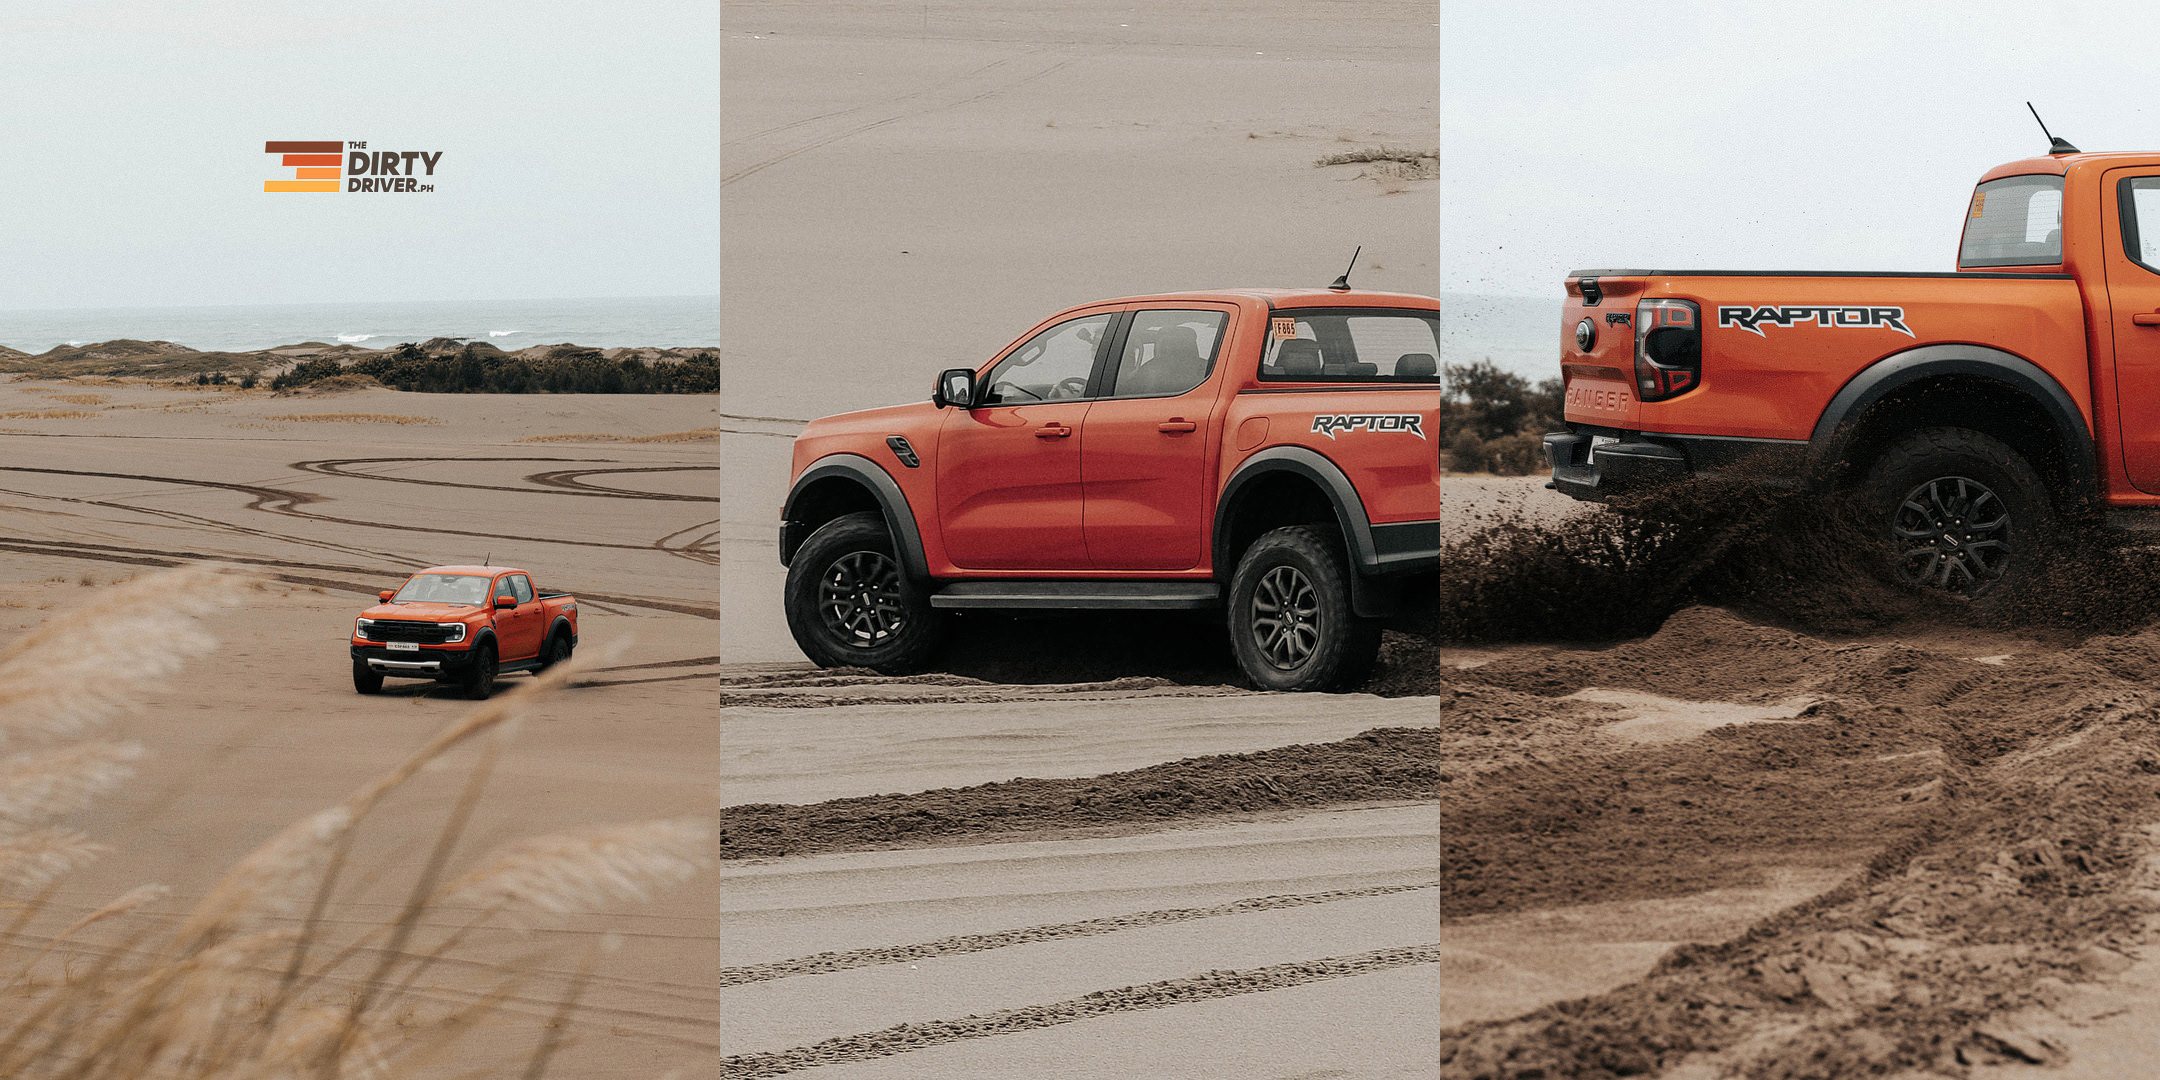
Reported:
(503, 333)
(355, 339)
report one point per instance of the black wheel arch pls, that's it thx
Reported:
(562, 627)
(1972, 386)
(839, 484)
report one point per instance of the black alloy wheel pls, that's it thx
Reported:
(860, 601)
(1285, 618)
(1953, 533)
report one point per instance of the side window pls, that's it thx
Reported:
(1353, 346)
(521, 588)
(1051, 366)
(2140, 197)
(1168, 352)
(2014, 221)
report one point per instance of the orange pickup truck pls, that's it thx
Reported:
(1974, 409)
(462, 625)
(1263, 455)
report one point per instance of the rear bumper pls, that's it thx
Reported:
(423, 664)
(1593, 464)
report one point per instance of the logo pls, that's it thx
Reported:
(315, 165)
(351, 166)
(1329, 425)
(1617, 318)
(1829, 316)
(1591, 398)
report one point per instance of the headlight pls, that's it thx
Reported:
(362, 626)
(457, 630)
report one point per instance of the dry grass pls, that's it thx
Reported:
(266, 976)
(46, 414)
(353, 418)
(1401, 157)
(694, 435)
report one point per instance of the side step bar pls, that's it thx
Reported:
(1079, 595)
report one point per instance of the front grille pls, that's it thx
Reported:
(398, 630)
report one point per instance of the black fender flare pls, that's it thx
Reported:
(561, 625)
(899, 519)
(1310, 465)
(1834, 429)
(486, 635)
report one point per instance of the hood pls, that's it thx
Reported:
(872, 421)
(423, 611)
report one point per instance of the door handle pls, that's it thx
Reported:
(1177, 427)
(1052, 430)
(2146, 318)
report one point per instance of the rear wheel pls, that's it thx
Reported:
(365, 679)
(1291, 623)
(479, 679)
(1962, 511)
(850, 603)
(557, 651)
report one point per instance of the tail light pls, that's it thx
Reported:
(1668, 348)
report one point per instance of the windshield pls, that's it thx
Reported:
(2014, 221)
(443, 589)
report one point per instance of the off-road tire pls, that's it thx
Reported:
(1961, 511)
(365, 679)
(478, 679)
(557, 651)
(1290, 620)
(850, 602)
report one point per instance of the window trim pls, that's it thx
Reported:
(1260, 371)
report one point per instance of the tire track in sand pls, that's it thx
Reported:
(825, 963)
(902, 1038)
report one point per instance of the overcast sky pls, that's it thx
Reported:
(579, 142)
(1750, 135)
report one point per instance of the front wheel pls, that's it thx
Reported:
(479, 680)
(1962, 511)
(1291, 623)
(851, 604)
(365, 679)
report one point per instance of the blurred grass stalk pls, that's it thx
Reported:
(249, 984)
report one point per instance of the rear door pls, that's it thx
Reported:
(2131, 201)
(1008, 470)
(1152, 438)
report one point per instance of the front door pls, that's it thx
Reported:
(1008, 470)
(1145, 465)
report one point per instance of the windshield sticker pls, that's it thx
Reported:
(1979, 203)
(1832, 316)
(1346, 422)
(1284, 329)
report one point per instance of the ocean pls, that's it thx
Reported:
(1517, 333)
(603, 322)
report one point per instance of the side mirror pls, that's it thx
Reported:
(505, 600)
(955, 387)
(385, 596)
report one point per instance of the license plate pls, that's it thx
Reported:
(402, 646)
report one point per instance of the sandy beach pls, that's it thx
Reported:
(907, 188)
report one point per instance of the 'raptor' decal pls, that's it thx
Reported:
(1329, 425)
(1833, 316)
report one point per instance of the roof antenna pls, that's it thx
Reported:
(484, 558)
(1342, 284)
(2055, 145)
